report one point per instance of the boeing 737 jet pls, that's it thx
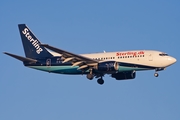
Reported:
(121, 65)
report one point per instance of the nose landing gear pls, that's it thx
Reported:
(156, 74)
(157, 69)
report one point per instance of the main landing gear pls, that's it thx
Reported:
(90, 76)
(99, 81)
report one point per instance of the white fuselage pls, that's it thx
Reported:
(142, 57)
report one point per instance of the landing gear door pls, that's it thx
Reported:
(150, 57)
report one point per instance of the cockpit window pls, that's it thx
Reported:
(163, 54)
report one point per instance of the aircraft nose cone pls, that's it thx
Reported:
(172, 60)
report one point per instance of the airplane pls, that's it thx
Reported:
(121, 65)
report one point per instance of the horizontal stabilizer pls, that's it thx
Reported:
(23, 59)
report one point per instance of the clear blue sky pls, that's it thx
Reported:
(83, 26)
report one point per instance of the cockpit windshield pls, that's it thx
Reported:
(163, 54)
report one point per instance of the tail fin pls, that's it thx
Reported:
(31, 44)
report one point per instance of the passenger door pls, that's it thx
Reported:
(48, 64)
(150, 57)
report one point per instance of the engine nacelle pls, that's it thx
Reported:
(109, 66)
(124, 75)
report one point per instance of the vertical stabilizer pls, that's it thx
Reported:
(31, 44)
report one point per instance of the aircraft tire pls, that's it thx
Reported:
(90, 76)
(100, 81)
(156, 74)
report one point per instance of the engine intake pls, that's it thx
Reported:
(109, 66)
(124, 75)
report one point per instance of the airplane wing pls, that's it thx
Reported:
(76, 60)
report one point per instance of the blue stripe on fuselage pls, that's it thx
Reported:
(56, 66)
(60, 69)
(74, 70)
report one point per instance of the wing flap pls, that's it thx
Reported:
(77, 63)
(67, 54)
(68, 59)
(76, 60)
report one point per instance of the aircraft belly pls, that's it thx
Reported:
(133, 66)
(58, 69)
(121, 69)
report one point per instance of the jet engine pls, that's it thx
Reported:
(109, 66)
(124, 75)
